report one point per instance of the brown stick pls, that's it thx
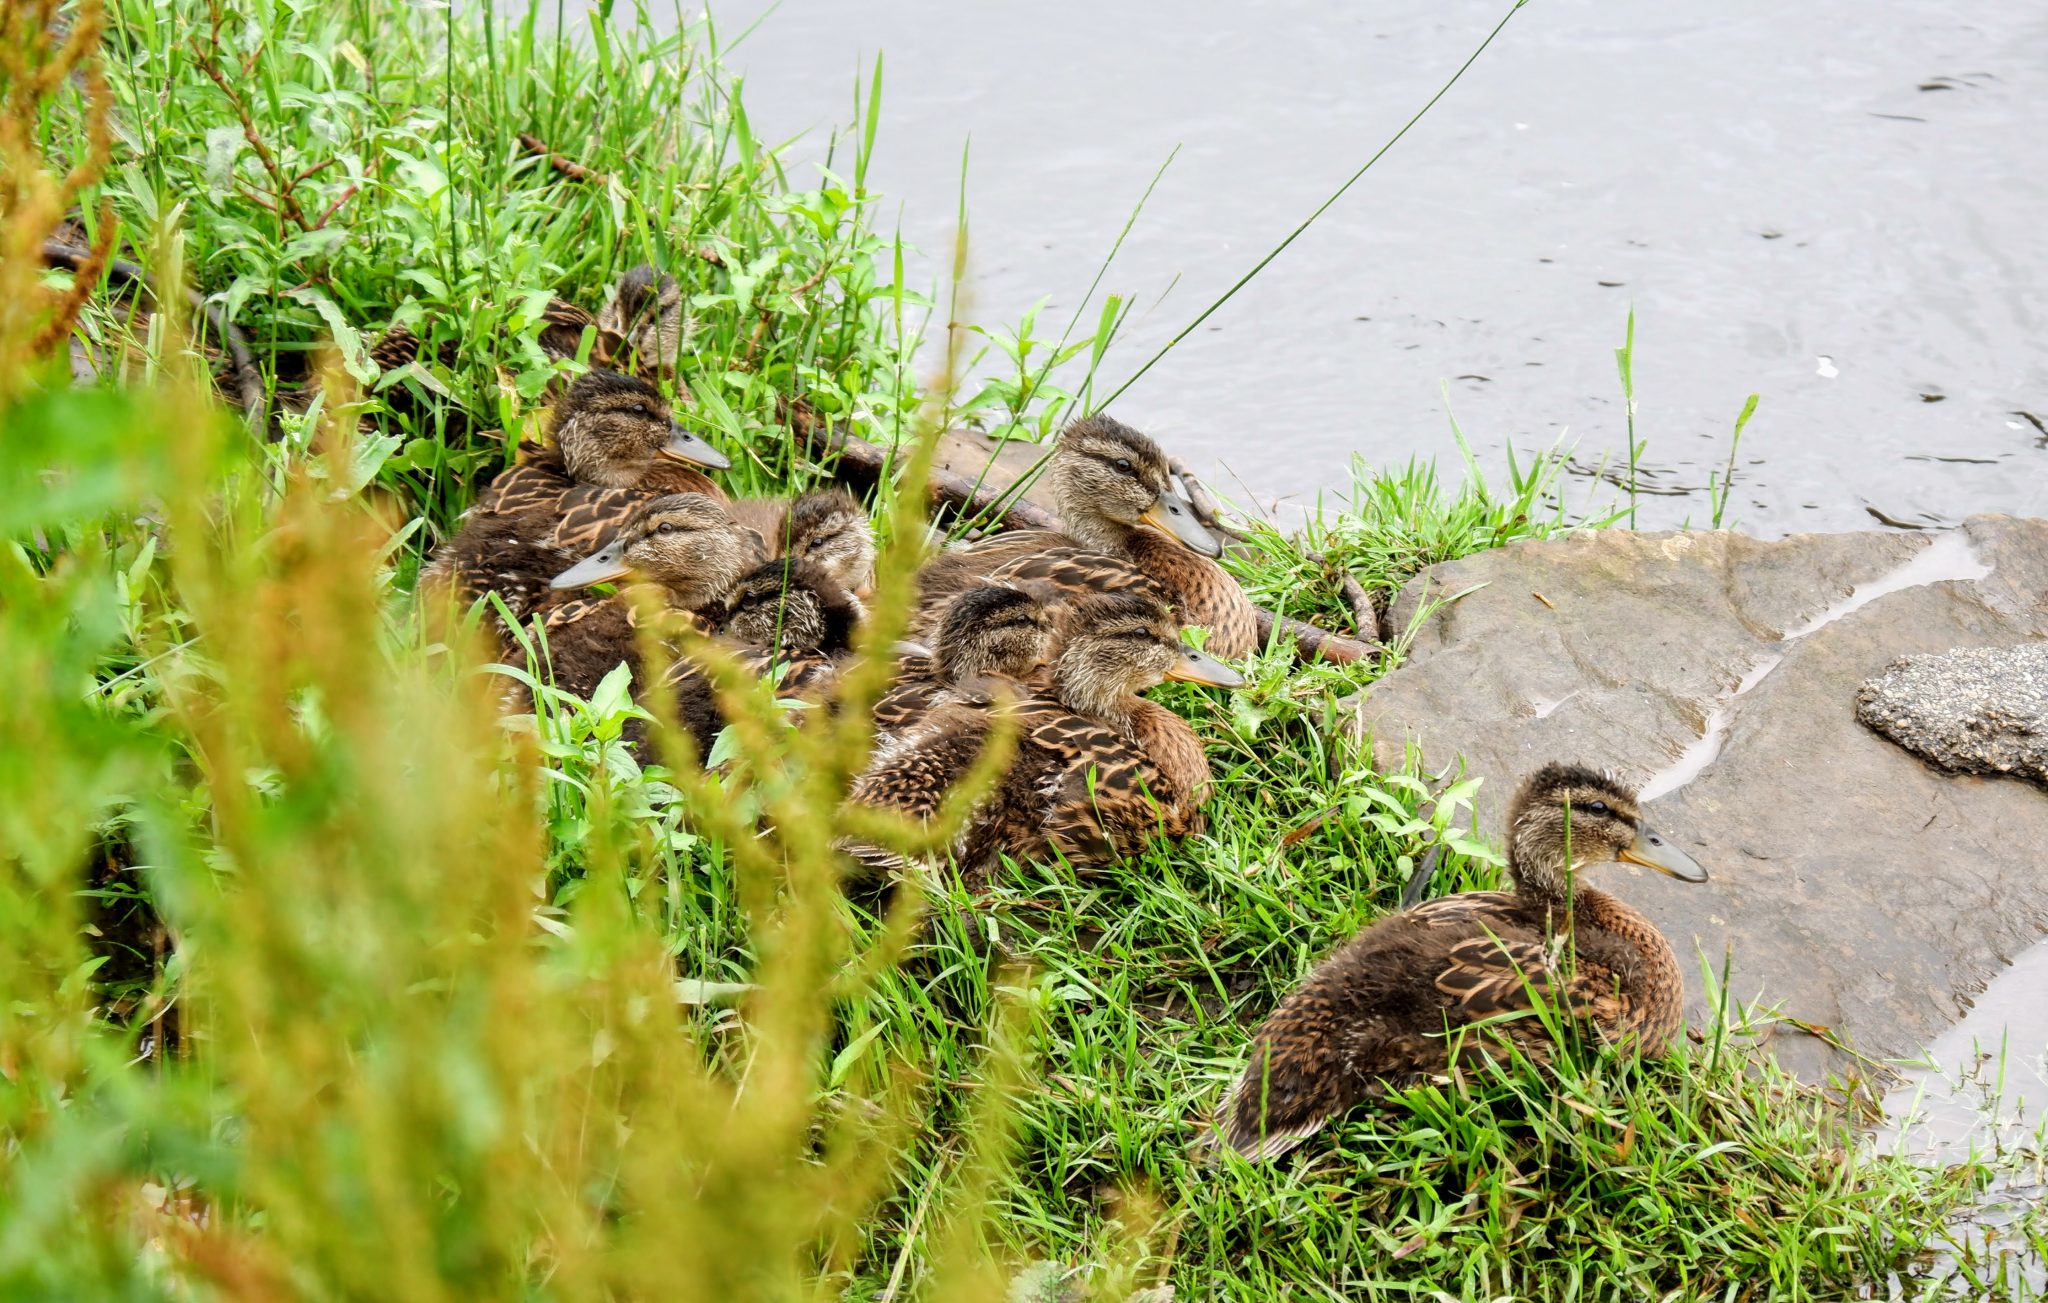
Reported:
(1306, 636)
(960, 492)
(1207, 509)
(562, 163)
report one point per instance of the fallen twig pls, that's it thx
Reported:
(562, 163)
(1207, 509)
(974, 496)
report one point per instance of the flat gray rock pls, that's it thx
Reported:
(1974, 710)
(1854, 885)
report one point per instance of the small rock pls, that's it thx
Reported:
(1974, 710)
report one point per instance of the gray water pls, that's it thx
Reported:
(1840, 206)
(1981, 1095)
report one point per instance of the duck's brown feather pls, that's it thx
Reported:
(1406, 998)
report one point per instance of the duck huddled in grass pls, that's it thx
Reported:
(684, 545)
(1127, 529)
(613, 448)
(787, 621)
(1446, 983)
(1098, 770)
(992, 640)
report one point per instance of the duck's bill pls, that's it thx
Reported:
(1652, 851)
(684, 446)
(1174, 516)
(600, 567)
(1200, 667)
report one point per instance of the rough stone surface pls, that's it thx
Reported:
(1853, 884)
(1976, 710)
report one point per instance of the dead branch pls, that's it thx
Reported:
(562, 163)
(284, 187)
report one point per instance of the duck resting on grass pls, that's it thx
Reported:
(684, 543)
(614, 448)
(992, 639)
(1452, 977)
(787, 620)
(823, 527)
(1127, 530)
(1098, 770)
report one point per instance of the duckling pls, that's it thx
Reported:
(824, 527)
(786, 617)
(1127, 529)
(790, 605)
(991, 639)
(685, 543)
(561, 336)
(644, 322)
(614, 449)
(1098, 769)
(1385, 1011)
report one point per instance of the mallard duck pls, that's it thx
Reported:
(1386, 1009)
(1098, 769)
(991, 639)
(643, 322)
(824, 527)
(1127, 530)
(561, 337)
(683, 543)
(614, 449)
(786, 618)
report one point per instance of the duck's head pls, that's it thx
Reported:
(1120, 644)
(992, 630)
(1107, 479)
(828, 529)
(790, 605)
(685, 542)
(644, 316)
(612, 427)
(1566, 818)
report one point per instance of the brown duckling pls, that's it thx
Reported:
(1127, 529)
(991, 639)
(684, 543)
(1098, 769)
(824, 527)
(614, 449)
(1385, 1010)
(787, 618)
(644, 322)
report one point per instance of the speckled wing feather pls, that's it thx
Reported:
(913, 773)
(1100, 796)
(1492, 977)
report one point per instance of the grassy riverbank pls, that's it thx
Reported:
(325, 981)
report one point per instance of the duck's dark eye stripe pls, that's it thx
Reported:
(1111, 463)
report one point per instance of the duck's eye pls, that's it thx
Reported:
(665, 528)
(640, 409)
(1598, 807)
(1123, 463)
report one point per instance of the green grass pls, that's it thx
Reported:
(325, 982)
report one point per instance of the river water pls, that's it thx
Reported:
(1840, 206)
